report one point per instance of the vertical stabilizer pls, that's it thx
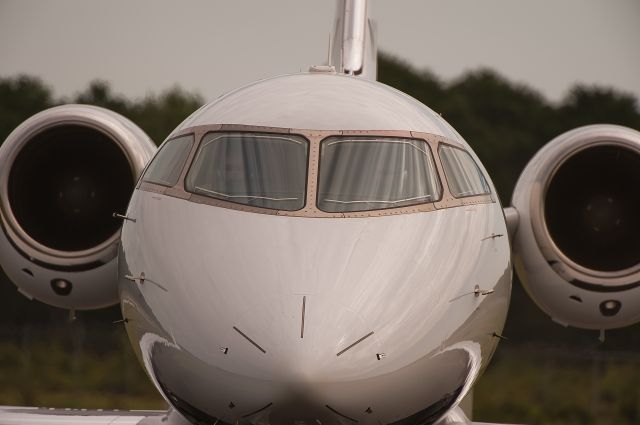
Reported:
(354, 50)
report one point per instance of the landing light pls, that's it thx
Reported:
(610, 307)
(61, 286)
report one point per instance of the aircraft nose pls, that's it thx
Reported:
(290, 359)
(302, 338)
(299, 410)
(346, 318)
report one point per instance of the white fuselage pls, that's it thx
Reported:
(273, 318)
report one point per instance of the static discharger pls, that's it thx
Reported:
(258, 411)
(497, 335)
(476, 292)
(123, 217)
(304, 305)
(340, 414)
(142, 279)
(255, 344)
(139, 279)
(354, 344)
(492, 236)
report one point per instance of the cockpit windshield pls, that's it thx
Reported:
(262, 170)
(463, 175)
(373, 173)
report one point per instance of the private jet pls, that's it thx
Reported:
(315, 248)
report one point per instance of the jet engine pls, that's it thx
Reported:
(63, 174)
(577, 244)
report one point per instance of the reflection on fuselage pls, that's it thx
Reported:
(225, 270)
(271, 315)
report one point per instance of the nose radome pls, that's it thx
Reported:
(301, 338)
(299, 412)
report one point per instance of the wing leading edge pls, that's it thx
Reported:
(10, 415)
(41, 416)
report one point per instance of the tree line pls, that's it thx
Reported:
(22, 96)
(505, 123)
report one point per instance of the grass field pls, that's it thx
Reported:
(551, 386)
(83, 368)
(77, 367)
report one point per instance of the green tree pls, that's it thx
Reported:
(505, 122)
(159, 115)
(21, 97)
(593, 104)
(99, 93)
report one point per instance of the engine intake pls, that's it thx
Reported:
(577, 245)
(65, 171)
(592, 208)
(63, 183)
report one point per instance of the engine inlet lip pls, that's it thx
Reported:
(548, 247)
(24, 134)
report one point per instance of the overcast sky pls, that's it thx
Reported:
(146, 46)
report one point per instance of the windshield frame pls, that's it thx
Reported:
(477, 167)
(202, 143)
(161, 148)
(315, 138)
(431, 166)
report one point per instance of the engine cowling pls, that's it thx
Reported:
(64, 172)
(577, 244)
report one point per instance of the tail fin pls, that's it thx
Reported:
(354, 49)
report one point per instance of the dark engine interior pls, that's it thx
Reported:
(592, 208)
(65, 185)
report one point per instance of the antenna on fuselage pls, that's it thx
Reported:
(327, 69)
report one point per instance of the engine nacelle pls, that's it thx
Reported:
(577, 245)
(63, 173)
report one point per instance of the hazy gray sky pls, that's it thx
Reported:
(211, 47)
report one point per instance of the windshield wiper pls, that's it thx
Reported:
(227, 195)
(377, 201)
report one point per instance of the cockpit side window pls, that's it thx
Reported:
(260, 170)
(374, 173)
(464, 178)
(166, 166)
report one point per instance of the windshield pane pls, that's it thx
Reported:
(463, 175)
(167, 165)
(261, 170)
(361, 174)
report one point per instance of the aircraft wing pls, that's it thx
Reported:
(456, 416)
(483, 423)
(10, 415)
